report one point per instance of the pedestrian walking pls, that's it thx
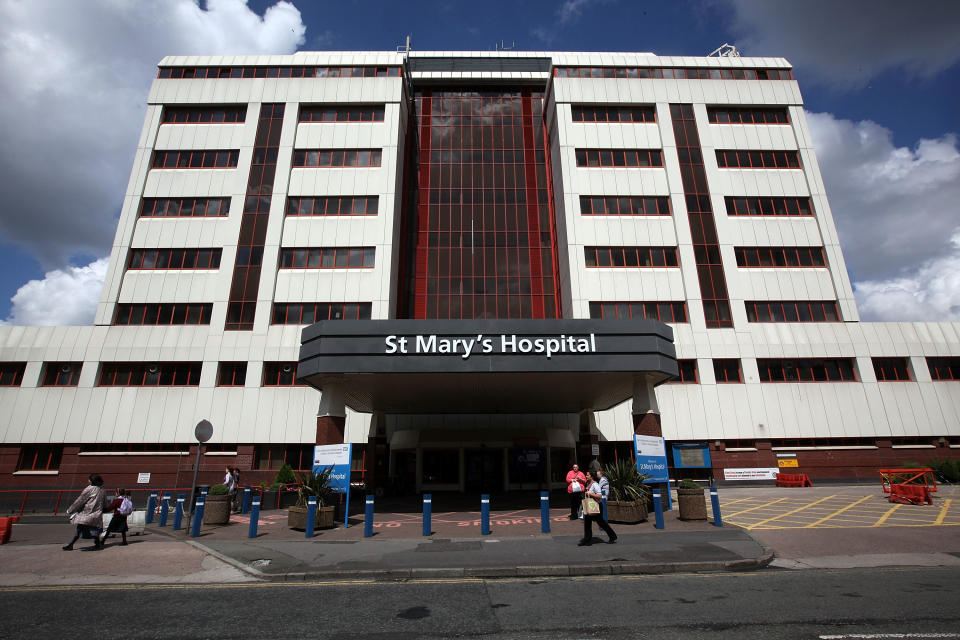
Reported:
(576, 482)
(122, 506)
(86, 513)
(597, 493)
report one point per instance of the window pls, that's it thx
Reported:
(797, 206)
(280, 374)
(134, 448)
(619, 158)
(327, 258)
(631, 257)
(227, 114)
(625, 205)
(273, 456)
(687, 373)
(614, 113)
(337, 157)
(310, 312)
(944, 368)
(150, 374)
(40, 457)
(758, 159)
(341, 113)
(11, 373)
(202, 159)
(147, 259)
(662, 311)
(792, 311)
(891, 369)
(727, 370)
(231, 374)
(332, 206)
(164, 313)
(680, 73)
(780, 256)
(178, 73)
(61, 374)
(184, 207)
(806, 370)
(747, 115)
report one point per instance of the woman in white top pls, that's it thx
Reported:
(598, 493)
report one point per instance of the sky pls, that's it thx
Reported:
(880, 81)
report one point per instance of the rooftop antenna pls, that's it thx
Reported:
(725, 50)
(501, 46)
(404, 48)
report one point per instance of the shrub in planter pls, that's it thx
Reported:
(216, 509)
(628, 495)
(313, 484)
(690, 501)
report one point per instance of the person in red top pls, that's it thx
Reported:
(576, 482)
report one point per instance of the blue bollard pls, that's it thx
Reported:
(151, 507)
(715, 500)
(311, 516)
(254, 517)
(245, 505)
(178, 514)
(368, 518)
(197, 516)
(427, 507)
(164, 509)
(485, 514)
(603, 509)
(544, 512)
(657, 509)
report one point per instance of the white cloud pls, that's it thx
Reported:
(74, 78)
(64, 297)
(897, 212)
(847, 43)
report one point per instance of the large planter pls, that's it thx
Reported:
(626, 512)
(216, 509)
(297, 518)
(691, 504)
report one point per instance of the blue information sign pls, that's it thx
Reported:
(651, 458)
(338, 457)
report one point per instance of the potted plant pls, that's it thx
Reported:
(313, 484)
(628, 495)
(216, 509)
(690, 501)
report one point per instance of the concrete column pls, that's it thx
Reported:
(646, 411)
(331, 416)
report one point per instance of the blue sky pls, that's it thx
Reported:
(880, 80)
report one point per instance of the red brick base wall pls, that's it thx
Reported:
(647, 424)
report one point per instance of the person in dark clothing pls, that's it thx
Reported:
(122, 506)
(598, 493)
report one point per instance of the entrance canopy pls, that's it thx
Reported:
(485, 366)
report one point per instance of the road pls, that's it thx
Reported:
(770, 604)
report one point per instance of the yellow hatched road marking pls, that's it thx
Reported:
(943, 511)
(835, 513)
(762, 522)
(766, 504)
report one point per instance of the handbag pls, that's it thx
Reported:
(591, 507)
(575, 487)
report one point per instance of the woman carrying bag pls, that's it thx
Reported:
(593, 511)
(87, 513)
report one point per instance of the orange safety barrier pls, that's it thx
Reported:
(913, 477)
(6, 526)
(793, 480)
(910, 494)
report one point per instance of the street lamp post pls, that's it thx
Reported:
(203, 432)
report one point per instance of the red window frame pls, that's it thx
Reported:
(619, 158)
(220, 114)
(686, 372)
(944, 368)
(274, 456)
(167, 259)
(149, 374)
(625, 205)
(280, 374)
(627, 113)
(40, 457)
(11, 373)
(792, 311)
(231, 374)
(184, 207)
(327, 258)
(662, 311)
(768, 206)
(630, 257)
(163, 313)
(892, 369)
(298, 71)
(196, 159)
(61, 374)
(753, 159)
(748, 115)
(310, 312)
(807, 369)
(680, 73)
(724, 368)
(780, 257)
(327, 158)
(332, 205)
(331, 113)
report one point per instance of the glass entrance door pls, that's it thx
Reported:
(484, 470)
